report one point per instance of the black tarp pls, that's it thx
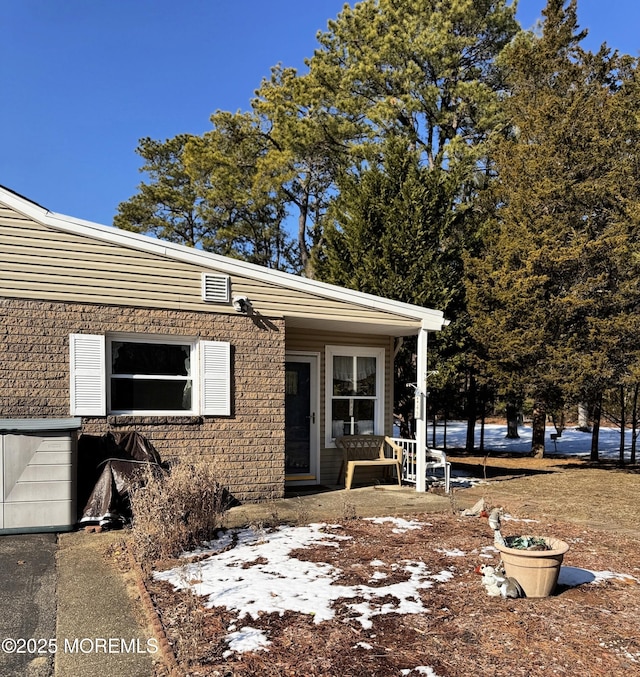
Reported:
(106, 464)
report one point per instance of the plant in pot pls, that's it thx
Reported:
(533, 561)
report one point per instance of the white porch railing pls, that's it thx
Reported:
(435, 458)
(408, 458)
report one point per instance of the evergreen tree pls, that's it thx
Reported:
(551, 293)
(245, 206)
(307, 148)
(419, 82)
(203, 191)
(421, 69)
(390, 229)
(167, 206)
(393, 233)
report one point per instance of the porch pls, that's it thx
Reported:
(339, 381)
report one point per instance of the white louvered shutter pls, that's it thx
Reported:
(88, 380)
(215, 368)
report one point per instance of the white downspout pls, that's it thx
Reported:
(421, 411)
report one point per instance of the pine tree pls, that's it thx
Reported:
(550, 296)
(307, 148)
(419, 82)
(394, 233)
(205, 192)
(166, 207)
(225, 165)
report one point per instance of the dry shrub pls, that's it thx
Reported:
(177, 509)
(349, 511)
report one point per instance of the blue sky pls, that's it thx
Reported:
(83, 80)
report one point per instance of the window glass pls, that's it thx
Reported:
(355, 381)
(342, 375)
(353, 417)
(151, 377)
(130, 357)
(366, 376)
(145, 395)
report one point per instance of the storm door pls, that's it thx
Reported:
(301, 419)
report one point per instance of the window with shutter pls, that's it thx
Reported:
(146, 375)
(151, 376)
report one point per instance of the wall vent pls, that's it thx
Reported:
(215, 288)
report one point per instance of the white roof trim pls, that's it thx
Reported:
(430, 319)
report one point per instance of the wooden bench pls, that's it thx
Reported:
(369, 451)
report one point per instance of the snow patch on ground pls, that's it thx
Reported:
(401, 525)
(252, 573)
(260, 574)
(452, 553)
(572, 442)
(510, 518)
(420, 670)
(246, 639)
(574, 576)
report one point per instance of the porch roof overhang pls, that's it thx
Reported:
(396, 328)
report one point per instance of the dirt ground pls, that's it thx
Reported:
(600, 495)
(588, 630)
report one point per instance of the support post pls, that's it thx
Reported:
(421, 422)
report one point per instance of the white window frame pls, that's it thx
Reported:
(354, 351)
(160, 340)
(90, 375)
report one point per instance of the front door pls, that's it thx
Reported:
(301, 419)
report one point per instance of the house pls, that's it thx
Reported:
(203, 354)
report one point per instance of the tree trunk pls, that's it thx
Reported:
(303, 249)
(558, 422)
(597, 415)
(444, 430)
(538, 425)
(634, 423)
(583, 418)
(512, 421)
(472, 408)
(623, 425)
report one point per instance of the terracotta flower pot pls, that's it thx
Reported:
(537, 571)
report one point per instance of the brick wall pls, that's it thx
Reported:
(248, 445)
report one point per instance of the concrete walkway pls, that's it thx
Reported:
(67, 609)
(101, 628)
(335, 503)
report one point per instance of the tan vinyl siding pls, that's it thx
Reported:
(40, 262)
(316, 342)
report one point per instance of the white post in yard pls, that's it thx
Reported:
(421, 412)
